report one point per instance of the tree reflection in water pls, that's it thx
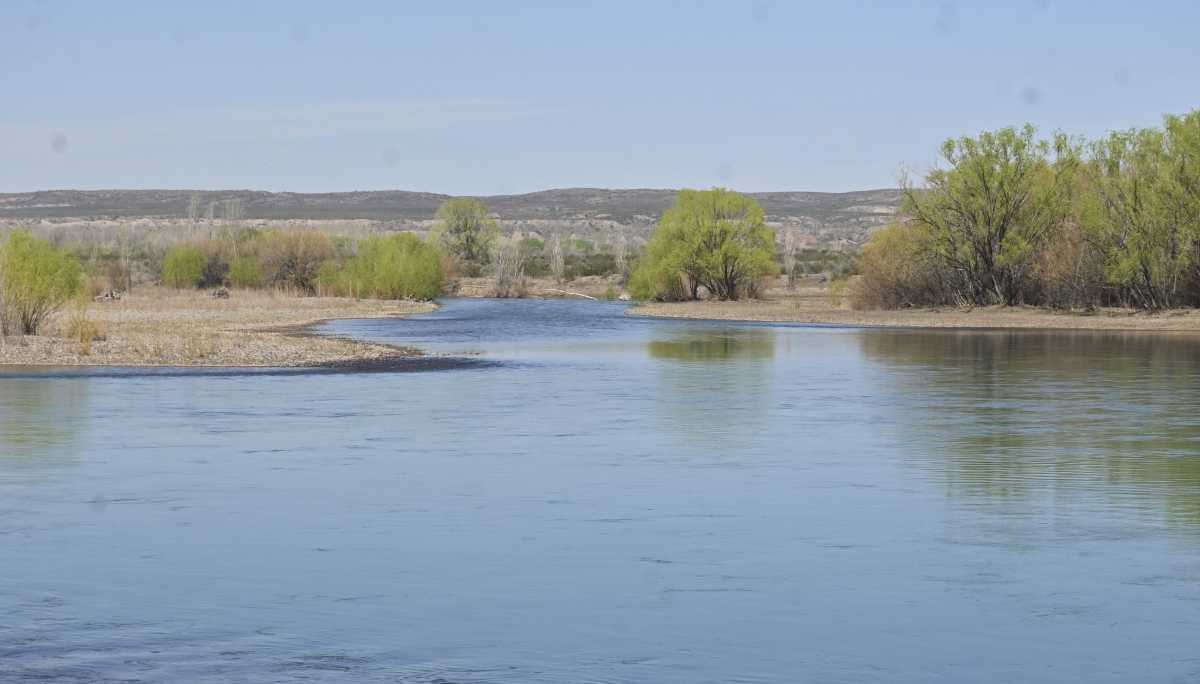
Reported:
(41, 419)
(712, 387)
(1087, 417)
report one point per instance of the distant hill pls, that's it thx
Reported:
(824, 218)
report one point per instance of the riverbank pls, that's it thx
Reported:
(585, 287)
(816, 305)
(161, 327)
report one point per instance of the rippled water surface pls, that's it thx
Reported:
(607, 499)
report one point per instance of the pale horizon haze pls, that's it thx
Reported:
(504, 98)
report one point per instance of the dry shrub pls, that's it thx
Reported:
(508, 264)
(839, 288)
(897, 271)
(1070, 270)
(6, 320)
(79, 325)
(292, 261)
(94, 286)
(200, 347)
(116, 275)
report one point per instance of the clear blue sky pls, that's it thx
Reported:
(503, 97)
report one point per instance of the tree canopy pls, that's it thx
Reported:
(465, 230)
(992, 209)
(36, 278)
(1013, 219)
(1146, 204)
(716, 239)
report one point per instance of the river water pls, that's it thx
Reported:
(599, 498)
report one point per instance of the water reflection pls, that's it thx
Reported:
(614, 499)
(1105, 418)
(39, 418)
(713, 346)
(712, 387)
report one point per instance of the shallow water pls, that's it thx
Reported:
(608, 499)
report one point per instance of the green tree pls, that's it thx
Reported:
(716, 239)
(184, 266)
(990, 212)
(36, 278)
(245, 271)
(1146, 208)
(464, 229)
(399, 266)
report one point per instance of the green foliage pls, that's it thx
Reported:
(715, 239)
(990, 212)
(464, 229)
(245, 272)
(1014, 219)
(836, 262)
(343, 245)
(533, 245)
(591, 264)
(398, 266)
(657, 277)
(184, 266)
(1145, 207)
(577, 246)
(36, 278)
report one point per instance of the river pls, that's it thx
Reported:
(601, 498)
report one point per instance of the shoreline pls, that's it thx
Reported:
(154, 328)
(796, 310)
(159, 330)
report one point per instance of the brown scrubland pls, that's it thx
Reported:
(155, 326)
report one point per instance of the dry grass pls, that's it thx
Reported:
(160, 327)
(816, 304)
(542, 288)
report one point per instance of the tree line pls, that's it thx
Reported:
(465, 242)
(38, 276)
(1063, 222)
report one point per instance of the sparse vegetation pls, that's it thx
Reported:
(80, 327)
(508, 269)
(292, 260)
(161, 326)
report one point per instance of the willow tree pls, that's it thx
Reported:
(1146, 191)
(716, 239)
(994, 207)
(36, 278)
(464, 229)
